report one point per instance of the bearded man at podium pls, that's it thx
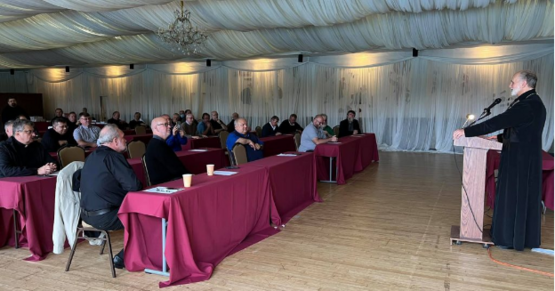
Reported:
(517, 211)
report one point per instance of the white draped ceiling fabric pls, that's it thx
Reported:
(358, 55)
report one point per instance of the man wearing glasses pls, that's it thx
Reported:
(310, 137)
(86, 135)
(162, 163)
(57, 136)
(20, 156)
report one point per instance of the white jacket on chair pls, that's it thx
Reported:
(67, 208)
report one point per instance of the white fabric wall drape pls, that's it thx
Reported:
(410, 103)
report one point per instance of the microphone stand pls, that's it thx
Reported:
(484, 114)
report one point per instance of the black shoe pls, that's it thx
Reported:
(118, 263)
(504, 247)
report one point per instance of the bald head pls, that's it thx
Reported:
(241, 125)
(161, 127)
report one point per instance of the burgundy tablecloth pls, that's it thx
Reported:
(42, 126)
(207, 142)
(33, 198)
(352, 154)
(292, 184)
(141, 137)
(132, 132)
(493, 160)
(194, 161)
(274, 145)
(214, 218)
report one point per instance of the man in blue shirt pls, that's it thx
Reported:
(242, 136)
(176, 139)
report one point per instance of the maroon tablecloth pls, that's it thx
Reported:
(493, 160)
(292, 184)
(33, 198)
(142, 137)
(194, 161)
(352, 154)
(42, 126)
(132, 132)
(214, 218)
(274, 145)
(207, 142)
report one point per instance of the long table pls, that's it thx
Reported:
(33, 199)
(139, 137)
(206, 142)
(342, 159)
(492, 164)
(189, 232)
(195, 161)
(274, 145)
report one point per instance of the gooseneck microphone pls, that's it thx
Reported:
(487, 111)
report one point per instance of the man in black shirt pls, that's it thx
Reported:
(290, 126)
(106, 178)
(161, 161)
(349, 126)
(59, 113)
(57, 136)
(136, 121)
(115, 120)
(231, 124)
(12, 111)
(20, 156)
(216, 123)
(271, 128)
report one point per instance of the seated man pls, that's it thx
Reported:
(72, 122)
(328, 131)
(86, 135)
(271, 128)
(189, 127)
(290, 126)
(115, 120)
(217, 124)
(100, 202)
(231, 124)
(310, 138)
(58, 113)
(162, 163)
(176, 138)
(349, 126)
(7, 131)
(205, 126)
(20, 156)
(136, 121)
(242, 136)
(57, 136)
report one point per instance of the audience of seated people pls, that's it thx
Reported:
(217, 124)
(311, 135)
(117, 121)
(162, 163)
(100, 202)
(271, 128)
(204, 127)
(290, 126)
(86, 135)
(241, 136)
(349, 126)
(58, 136)
(21, 156)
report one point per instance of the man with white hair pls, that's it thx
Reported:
(311, 137)
(517, 216)
(20, 156)
(106, 178)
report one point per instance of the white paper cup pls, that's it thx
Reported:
(210, 169)
(187, 180)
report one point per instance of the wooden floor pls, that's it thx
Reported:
(387, 229)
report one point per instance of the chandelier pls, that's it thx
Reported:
(181, 34)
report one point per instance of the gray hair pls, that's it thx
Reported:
(19, 125)
(8, 124)
(530, 78)
(108, 133)
(237, 120)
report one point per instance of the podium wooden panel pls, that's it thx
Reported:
(472, 200)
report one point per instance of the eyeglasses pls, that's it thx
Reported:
(164, 124)
(28, 131)
(63, 126)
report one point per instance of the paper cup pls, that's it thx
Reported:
(210, 169)
(187, 180)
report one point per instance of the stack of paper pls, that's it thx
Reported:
(163, 190)
(199, 150)
(287, 155)
(224, 173)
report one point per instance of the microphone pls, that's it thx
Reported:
(495, 102)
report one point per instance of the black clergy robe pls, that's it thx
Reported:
(517, 212)
(162, 163)
(17, 159)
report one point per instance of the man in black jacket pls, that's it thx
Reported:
(12, 111)
(20, 156)
(349, 126)
(57, 136)
(161, 161)
(271, 128)
(290, 126)
(106, 178)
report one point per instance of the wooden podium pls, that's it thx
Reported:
(474, 181)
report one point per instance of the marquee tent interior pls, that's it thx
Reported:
(356, 55)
